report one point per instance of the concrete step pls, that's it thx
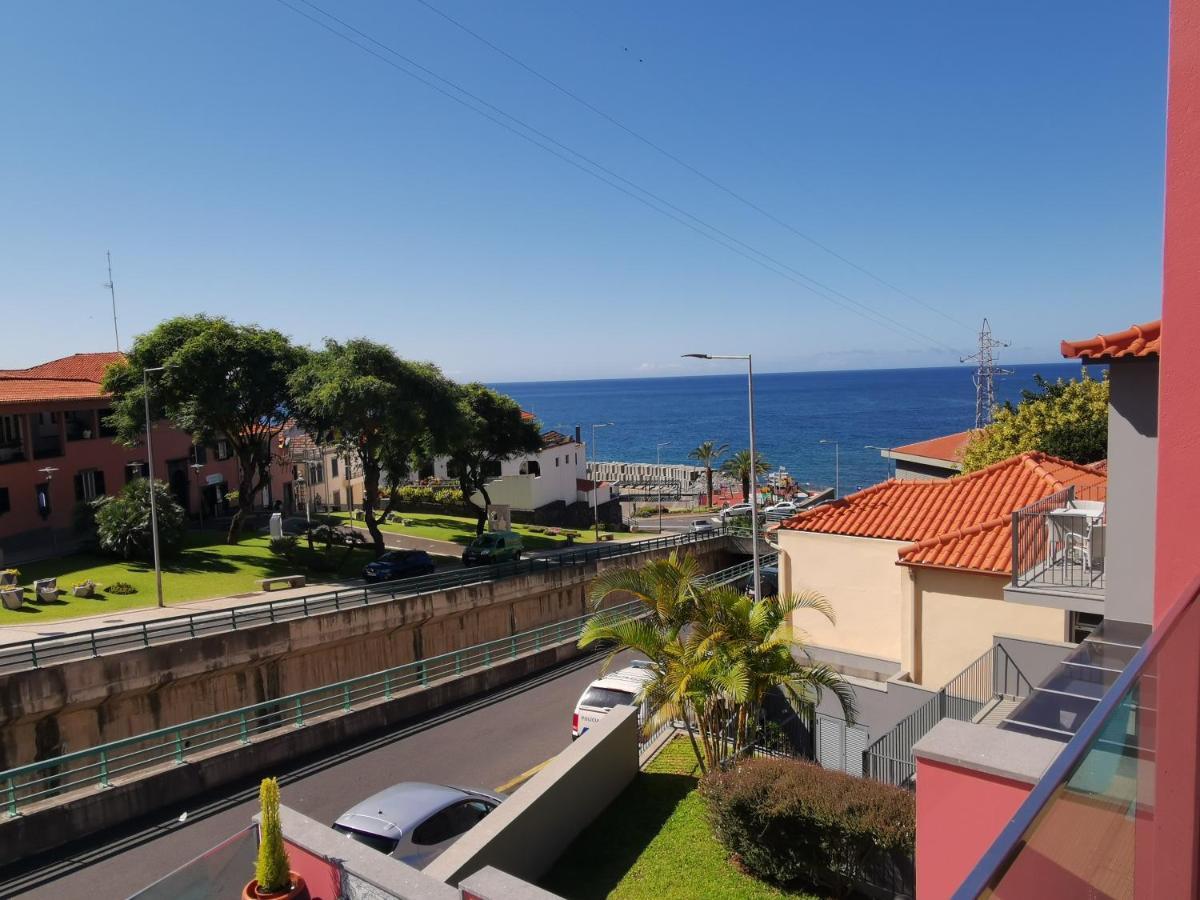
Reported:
(996, 711)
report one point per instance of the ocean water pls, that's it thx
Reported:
(793, 412)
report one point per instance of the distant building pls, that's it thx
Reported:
(930, 460)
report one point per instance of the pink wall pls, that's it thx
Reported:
(320, 876)
(960, 812)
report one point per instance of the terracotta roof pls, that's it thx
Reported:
(586, 484)
(555, 439)
(527, 416)
(963, 522)
(1136, 340)
(70, 378)
(948, 447)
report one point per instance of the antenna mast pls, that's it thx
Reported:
(985, 374)
(112, 293)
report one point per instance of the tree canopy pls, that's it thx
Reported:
(220, 380)
(490, 428)
(1065, 418)
(738, 466)
(707, 455)
(363, 398)
(123, 522)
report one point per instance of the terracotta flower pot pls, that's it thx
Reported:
(298, 890)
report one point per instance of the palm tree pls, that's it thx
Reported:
(714, 653)
(707, 454)
(738, 466)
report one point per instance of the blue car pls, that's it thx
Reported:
(399, 564)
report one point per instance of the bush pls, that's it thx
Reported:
(284, 546)
(120, 587)
(123, 521)
(272, 868)
(789, 821)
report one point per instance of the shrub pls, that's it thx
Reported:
(272, 869)
(121, 587)
(284, 546)
(789, 821)
(123, 521)
(448, 497)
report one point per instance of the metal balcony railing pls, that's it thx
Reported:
(1058, 544)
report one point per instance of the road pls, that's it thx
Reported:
(485, 742)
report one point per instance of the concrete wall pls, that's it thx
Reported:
(1035, 659)
(957, 613)
(860, 579)
(526, 834)
(1132, 480)
(59, 709)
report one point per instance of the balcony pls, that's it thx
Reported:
(46, 446)
(12, 451)
(1058, 551)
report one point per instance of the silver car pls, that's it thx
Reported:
(413, 821)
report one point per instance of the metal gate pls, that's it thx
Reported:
(840, 746)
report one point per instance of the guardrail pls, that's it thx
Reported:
(741, 570)
(98, 766)
(45, 651)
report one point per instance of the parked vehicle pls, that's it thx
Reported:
(415, 822)
(783, 507)
(493, 547)
(614, 689)
(702, 525)
(399, 564)
(738, 509)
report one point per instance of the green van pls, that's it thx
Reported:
(493, 547)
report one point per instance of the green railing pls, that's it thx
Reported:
(99, 767)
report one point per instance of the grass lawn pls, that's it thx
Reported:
(461, 530)
(207, 567)
(654, 843)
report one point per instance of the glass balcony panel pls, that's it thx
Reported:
(1104, 656)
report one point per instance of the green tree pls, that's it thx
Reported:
(272, 867)
(490, 428)
(707, 455)
(738, 467)
(221, 380)
(123, 522)
(714, 653)
(1065, 418)
(363, 398)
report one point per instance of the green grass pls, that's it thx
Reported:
(461, 530)
(207, 567)
(653, 843)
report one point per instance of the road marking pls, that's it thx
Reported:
(508, 786)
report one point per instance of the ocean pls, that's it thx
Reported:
(793, 412)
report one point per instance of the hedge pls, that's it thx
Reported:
(790, 821)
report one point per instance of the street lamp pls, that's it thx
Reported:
(595, 476)
(196, 467)
(887, 460)
(837, 465)
(753, 461)
(150, 471)
(658, 463)
(49, 471)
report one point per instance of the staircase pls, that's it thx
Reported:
(997, 711)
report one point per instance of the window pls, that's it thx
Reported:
(224, 451)
(333, 470)
(316, 473)
(5, 505)
(12, 448)
(1082, 625)
(89, 484)
(374, 841)
(556, 462)
(80, 426)
(106, 430)
(606, 698)
(531, 467)
(450, 822)
(199, 454)
(337, 499)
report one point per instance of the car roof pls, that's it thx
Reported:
(631, 678)
(396, 810)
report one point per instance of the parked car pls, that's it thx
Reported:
(738, 509)
(614, 689)
(413, 821)
(783, 507)
(399, 564)
(702, 525)
(493, 547)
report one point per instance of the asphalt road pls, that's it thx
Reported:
(485, 742)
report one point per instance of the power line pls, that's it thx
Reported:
(985, 374)
(681, 162)
(679, 215)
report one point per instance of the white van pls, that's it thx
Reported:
(614, 689)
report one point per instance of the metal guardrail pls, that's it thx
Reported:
(98, 766)
(45, 651)
(741, 570)
(1049, 554)
(991, 676)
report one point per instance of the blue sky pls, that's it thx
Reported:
(998, 159)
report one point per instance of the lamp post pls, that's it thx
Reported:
(196, 467)
(658, 462)
(150, 470)
(49, 471)
(595, 479)
(753, 461)
(837, 465)
(887, 460)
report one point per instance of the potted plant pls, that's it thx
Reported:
(8, 577)
(85, 589)
(12, 596)
(273, 877)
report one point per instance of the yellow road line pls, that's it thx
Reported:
(508, 786)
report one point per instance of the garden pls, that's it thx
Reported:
(461, 530)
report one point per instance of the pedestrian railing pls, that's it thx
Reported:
(99, 767)
(741, 570)
(45, 651)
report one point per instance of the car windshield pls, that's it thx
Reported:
(606, 698)
(374, 841)
(392, 556)
(488, 540)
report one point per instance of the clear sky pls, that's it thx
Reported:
(999, 159)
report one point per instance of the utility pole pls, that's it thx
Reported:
(112, 292)
(985, 374)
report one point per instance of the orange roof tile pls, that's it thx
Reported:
(1137, 340)
(963, 522)
(948, 447)
(75, 377)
